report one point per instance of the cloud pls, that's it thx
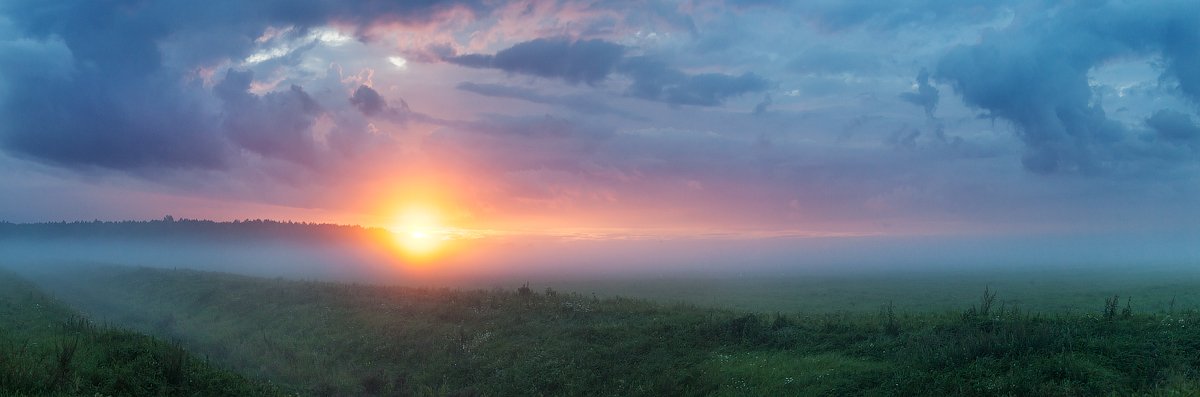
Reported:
(762, 107)
(1174, 127)
(578, 103)
(654, 80)
(373, 105)
(843, 15)
(112, 85)
(58, 110)
(367, 101)
(1035, 75)
(277, 124)
(926, 95)
(582, 61)
(64, 124)
(592, 61)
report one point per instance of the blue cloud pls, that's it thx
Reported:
(654, 80)
(583, 61)
(592, 61)
(926, 95)
(125, 105)
(1175, 127)
(1035, 75)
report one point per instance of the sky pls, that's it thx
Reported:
(610, 120)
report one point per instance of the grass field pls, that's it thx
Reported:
(48, 349)
(1055, 290)
(323, 338)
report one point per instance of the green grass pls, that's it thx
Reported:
(779, 373)
(1057, 290)
(343, 339)
(48, 349)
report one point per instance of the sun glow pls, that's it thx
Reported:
(419, 232)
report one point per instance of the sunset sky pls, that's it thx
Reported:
(609, 119)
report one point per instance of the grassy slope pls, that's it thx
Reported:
(330, 338)
(48, 349)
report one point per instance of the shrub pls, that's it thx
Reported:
(1110, 307)
(888, 313)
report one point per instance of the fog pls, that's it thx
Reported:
(267, 259)
(1047, 273)
(513, 259)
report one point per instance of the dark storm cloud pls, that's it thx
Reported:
(1035, 75)
(126, 102)
(583, 61)
(592, 61)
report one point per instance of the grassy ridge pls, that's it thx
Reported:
(48, 349)
(328, 338)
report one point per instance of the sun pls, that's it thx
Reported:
(419, 233)
(419, 244)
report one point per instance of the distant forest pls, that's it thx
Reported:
(170, 228)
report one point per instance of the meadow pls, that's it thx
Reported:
(325, 338)
(1046, 290)
(48, 349)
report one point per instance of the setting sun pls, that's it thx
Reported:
(419, 232)
(584, 197)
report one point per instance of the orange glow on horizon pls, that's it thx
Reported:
(420, 233)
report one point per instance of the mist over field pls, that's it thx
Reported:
(814, 274)
(295, 252)
(584, 197)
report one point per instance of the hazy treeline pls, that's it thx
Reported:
(256, 247)
(191, 229)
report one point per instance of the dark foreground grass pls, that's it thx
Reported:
(344, 339)
(48, 349)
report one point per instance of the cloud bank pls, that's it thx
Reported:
(97, 84)
(1035, 75)
(912, 116)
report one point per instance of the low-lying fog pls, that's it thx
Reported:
(511, 259)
